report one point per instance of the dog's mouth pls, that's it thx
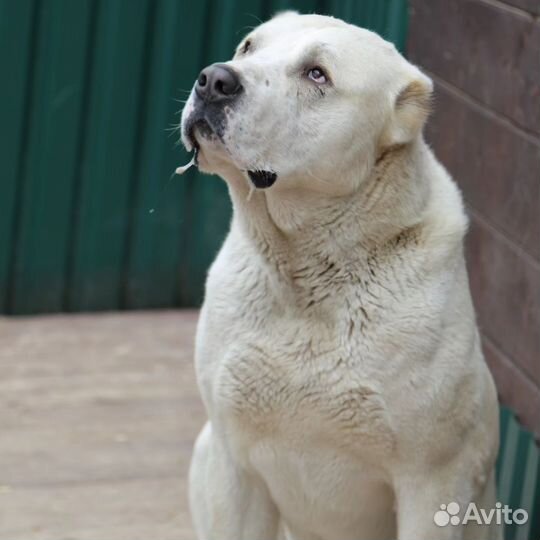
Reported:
(201, 128)
(192, 140)
(195, 147)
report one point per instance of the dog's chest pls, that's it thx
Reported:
(306, 368)
(301, 386)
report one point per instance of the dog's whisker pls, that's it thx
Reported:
(259, 21)
(251, 191)
(317, 178)
(243, 29)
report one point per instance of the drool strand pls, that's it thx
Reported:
(193, 161)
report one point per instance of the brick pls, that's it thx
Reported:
(496, 166)
(531, 6)
(489, 52)
(505, 284)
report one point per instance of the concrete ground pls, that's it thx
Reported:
(98, 414)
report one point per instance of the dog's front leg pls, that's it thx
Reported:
(226, 502)
(418, 500)
(432, 505)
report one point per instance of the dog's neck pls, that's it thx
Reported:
(305, 226)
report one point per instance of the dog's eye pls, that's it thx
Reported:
(317, 75)
(246, 46)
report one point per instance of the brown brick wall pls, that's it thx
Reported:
(484, 57)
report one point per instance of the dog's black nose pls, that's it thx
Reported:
(218, 82)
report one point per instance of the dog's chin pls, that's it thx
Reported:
(213, 157)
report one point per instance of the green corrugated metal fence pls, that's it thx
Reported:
(90, 88)
(518, 477)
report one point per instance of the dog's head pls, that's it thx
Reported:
(308, 100)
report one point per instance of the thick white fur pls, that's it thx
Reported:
(337, 351)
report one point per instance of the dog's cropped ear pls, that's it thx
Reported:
(411, 108)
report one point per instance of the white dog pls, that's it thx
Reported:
(337, 352)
